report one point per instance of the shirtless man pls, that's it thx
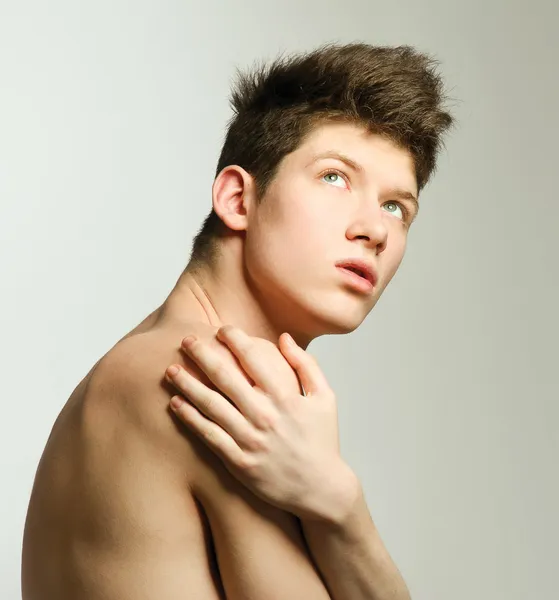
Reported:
(321, 167)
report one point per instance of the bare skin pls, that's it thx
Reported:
(127, 502)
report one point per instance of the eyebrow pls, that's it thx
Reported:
(397, 194)
(335, 154)
(405, 195)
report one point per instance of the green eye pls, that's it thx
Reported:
(400, 206)
(334, 178)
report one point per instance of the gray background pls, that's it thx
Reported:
(111, 118)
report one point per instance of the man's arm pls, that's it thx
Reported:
(351, 556)
(261, 551)
(295, 463)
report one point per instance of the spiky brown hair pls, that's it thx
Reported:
(395, 92)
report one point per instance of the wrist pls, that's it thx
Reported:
(334, 498)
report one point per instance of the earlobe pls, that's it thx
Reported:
(231, 196)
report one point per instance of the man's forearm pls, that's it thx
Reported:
(351, 556)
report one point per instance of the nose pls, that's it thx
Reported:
(370, 227)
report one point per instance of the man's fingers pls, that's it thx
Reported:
(228, 379)
(306, 366)
(251, 358)
(211, 404)
(218, 440)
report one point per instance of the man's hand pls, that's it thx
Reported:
(282, 445)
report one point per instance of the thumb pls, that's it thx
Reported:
(305, 365)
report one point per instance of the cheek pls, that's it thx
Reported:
(293, 234)
(282, 251)
(288, 226)
(310, 228)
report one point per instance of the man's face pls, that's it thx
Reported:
(319, 210)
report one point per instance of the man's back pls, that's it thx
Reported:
(127, 503)
(109, 516)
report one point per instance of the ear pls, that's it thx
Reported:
(233, 191)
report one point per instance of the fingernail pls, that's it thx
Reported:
(176, 401)
(187, 342)
(290, 340)
(172, 371)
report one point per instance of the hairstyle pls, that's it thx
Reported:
(391, 91)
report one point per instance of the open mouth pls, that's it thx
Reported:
(357, 278)
(357, 271)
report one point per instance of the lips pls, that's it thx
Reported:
(361, 268)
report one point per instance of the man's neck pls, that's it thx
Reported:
(220, 296)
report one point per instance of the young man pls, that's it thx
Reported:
(249, 499)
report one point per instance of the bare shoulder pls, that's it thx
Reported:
(260, 549)
(112, 509)
(129, 381)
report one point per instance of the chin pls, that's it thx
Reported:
(339, 321)
(344, 327)
(319, 313)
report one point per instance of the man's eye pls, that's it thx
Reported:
(403, 209)
(334, 178)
